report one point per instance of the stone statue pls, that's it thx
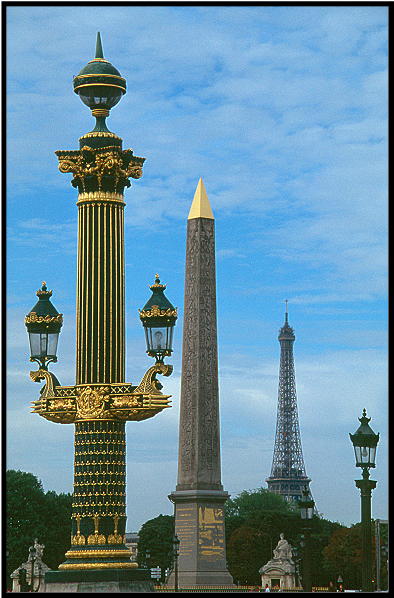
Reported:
(281, 566)
(283, 549)
(39, 549)
(35, 565)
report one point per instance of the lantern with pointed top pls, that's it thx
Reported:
(364, 441)
(43, 325)
(99, 84)
(158, 317)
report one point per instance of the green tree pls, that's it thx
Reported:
(384, 541)
(254, 520)
(251, 502)
(343, 555)
(33, 513)
(58, 530)
(247, 551)
(155, 539)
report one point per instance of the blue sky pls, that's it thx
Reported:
(283, 112)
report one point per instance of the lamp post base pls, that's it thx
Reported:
(97, 580)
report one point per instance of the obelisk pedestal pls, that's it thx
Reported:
(199, 496)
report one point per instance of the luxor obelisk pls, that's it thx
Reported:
(199, 496)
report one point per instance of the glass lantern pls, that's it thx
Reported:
(158, 317)
(43, 325)
(364, 441)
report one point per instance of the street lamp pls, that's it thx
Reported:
(147, 557)
(158, 317)
(365, 441)
(306, 506)
(43, 324)
(175, 553)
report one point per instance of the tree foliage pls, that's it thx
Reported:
(247, 551)
(254, 520)
(33, 513)
(251, 502)
(155, 539)
(343, 555)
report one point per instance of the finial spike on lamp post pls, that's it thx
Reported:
(99, 47)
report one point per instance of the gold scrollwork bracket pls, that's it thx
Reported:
(118, 402)
(50, 382)
(149, 385)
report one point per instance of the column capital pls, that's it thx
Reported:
(366, 485)
(100, 169)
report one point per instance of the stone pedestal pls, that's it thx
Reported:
(199, 517)
(276, 569)
(39, 570)
(280, 570)
(99, 581)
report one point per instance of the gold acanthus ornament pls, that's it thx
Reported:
(108, 161)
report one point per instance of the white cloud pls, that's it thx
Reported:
(282, 111)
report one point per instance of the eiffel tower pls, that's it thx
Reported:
(288, 476)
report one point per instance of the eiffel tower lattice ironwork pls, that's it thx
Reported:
(288, 476)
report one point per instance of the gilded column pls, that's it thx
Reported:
(100, 401)
(199, 497)
(101, 170)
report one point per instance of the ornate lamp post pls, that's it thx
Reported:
(307, 505)
(101, 401)
(365, 441)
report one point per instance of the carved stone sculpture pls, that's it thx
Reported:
(283, 549)
(280, 568)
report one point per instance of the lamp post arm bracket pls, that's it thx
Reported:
(149, 386)
(99, 401)
(50, 382)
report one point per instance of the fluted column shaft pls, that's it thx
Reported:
(99, 497)
(100, 289)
